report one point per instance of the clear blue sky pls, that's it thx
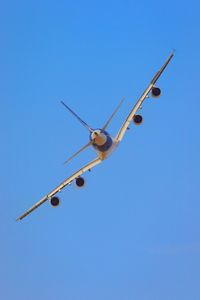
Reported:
(134, 231)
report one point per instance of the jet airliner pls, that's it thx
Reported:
(101, 140)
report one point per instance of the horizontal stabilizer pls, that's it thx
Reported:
(113, 114)
(79, 151)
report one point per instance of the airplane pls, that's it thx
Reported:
(101, 140)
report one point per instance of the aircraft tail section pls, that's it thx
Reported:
(113, 114)
(78, 118)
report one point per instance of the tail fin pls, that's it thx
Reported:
(113, 114)
(79, 119)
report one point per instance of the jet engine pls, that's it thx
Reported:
(155, 92)
(55, 201)
(80, 182)
(138, 119)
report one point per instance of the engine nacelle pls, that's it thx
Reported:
(138, 119)
(55, 201)
(155, 92)
(80, 182)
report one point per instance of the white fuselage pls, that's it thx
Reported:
(103, 143)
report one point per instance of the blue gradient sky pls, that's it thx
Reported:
(134, 231)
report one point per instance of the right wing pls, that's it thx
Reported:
(138, 104)
(61, 186)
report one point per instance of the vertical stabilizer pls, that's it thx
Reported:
(78, 118)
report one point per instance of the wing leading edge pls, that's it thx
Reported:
(125, 125)
(60, 187)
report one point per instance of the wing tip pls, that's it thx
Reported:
(173, 52)
(19, 219)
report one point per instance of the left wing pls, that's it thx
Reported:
(141, 100)
(61, 186)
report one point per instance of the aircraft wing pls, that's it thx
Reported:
(61, 186)
(138, 104)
